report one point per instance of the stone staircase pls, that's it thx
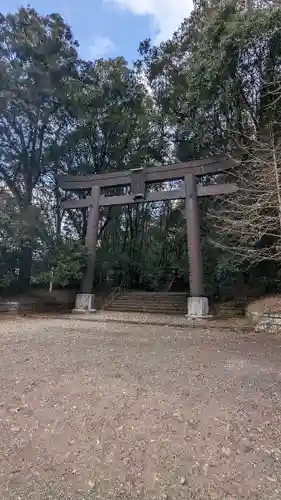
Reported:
(230, 308)
(169, 303)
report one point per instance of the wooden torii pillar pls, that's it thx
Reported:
(138, 180)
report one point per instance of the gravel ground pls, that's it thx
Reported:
(164, 320)
(113, 411)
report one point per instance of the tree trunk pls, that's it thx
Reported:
(25, 267)
(58, 214)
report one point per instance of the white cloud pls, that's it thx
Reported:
(101, 46)
(167, 15)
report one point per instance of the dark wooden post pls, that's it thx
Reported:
(91, 240)
(137, 184)
(193, 237)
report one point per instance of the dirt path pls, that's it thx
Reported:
(136, 412)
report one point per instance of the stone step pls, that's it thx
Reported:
(170, 303)
(154, 297)
(146, 310)
(160, 295)
(137, 305)
(129, 300)
(7, 306)
(146, 304)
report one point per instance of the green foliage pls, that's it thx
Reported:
(38, 63)
(17, 227)
(213, 78)
(38, 67)
(65, 265)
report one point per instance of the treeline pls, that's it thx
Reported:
(214, 87)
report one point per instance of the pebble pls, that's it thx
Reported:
(226, 451)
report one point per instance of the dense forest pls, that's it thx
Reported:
(214, 87)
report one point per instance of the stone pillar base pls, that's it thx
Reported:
(84, 303)
(198, 307)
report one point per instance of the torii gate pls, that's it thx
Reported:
(138, 180)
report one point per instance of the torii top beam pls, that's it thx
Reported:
(162, 173)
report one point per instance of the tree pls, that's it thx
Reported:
(14, 231)
(117, 127)
(248, 223)
(38, 63)
(211, 78)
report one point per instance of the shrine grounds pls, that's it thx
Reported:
(110, 411)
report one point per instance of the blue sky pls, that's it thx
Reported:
(109, 28)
